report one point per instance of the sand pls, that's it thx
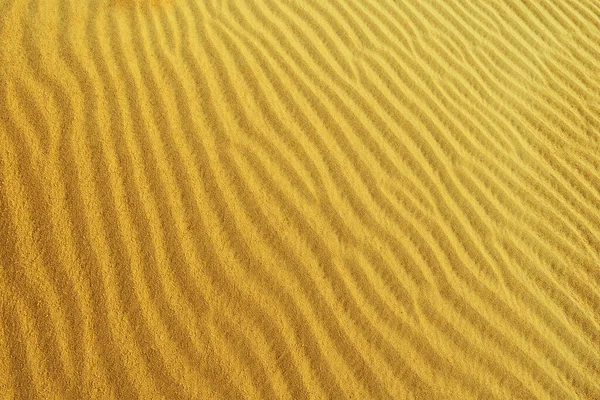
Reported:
(264, 199)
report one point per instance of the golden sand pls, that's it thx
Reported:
(264, 199)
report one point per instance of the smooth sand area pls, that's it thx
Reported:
(290, 199)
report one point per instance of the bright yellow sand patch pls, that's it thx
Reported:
(300, 199)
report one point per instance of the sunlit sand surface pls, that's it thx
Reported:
(262, 199)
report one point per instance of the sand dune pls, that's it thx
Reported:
(300, 199)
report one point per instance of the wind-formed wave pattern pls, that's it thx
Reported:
(300, 199)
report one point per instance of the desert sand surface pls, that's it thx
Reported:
(328, 199)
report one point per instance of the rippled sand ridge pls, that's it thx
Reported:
(328, 199)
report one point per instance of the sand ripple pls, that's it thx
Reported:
(300, 199)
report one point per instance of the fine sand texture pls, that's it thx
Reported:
(293, 199)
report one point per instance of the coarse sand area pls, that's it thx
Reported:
(300, 199)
